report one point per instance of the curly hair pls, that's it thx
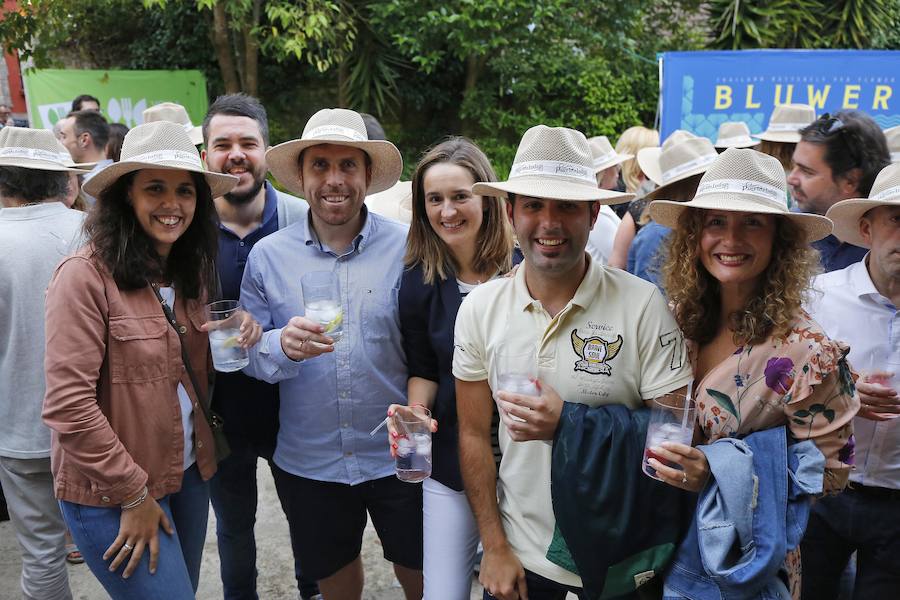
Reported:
(121, 245)
(772, 309)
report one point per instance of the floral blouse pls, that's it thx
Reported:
(801, 380)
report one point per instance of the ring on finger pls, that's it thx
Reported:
(127, 547)
(684, 479)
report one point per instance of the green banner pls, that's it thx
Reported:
(123, 95)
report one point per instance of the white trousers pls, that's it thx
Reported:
(450, 537)
(40, 529)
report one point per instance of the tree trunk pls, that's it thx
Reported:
(342, 84)
(251, 51)
(222, 46)
(474, 66)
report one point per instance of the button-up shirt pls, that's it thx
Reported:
(331, 402)
(852, 310)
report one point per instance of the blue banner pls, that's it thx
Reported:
(701, 90)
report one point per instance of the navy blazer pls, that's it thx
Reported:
(427, 320)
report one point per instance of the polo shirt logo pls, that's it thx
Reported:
(594, 353)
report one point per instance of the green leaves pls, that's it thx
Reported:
(724, 401)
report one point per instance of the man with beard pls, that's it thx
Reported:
(837, 157)
(236, 134)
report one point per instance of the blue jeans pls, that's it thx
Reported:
(234, 494)
(178, 570)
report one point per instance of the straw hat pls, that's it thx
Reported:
(344, 128)
(847, 213)
(786, 122)
(893, 142)
(681, 157)
(735, 134)
(605, 156)
(553, 163)
(36, 149)
(175, 113)
(158, 145)
(742, 180)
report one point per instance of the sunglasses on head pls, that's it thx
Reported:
(829, 125)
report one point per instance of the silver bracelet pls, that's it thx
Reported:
(137, 501)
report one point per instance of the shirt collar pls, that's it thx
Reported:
(271, 206)
(583, 295)
(32, 211)
(359, 242)
(862, 282)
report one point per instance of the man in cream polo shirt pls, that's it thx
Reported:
(600, 335)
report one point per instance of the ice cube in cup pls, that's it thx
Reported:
(413, 453)
(224, 321)
(671, 420)
(329, 315)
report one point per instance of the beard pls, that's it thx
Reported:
(247, 196)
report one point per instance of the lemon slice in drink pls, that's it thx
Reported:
(335, 322)
(230, 342)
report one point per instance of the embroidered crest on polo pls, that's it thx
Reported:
(595, 353)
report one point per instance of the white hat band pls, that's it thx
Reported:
(701, 161)
(553, 168)
(895, 156)
(794, 127)
(735, 139)
(61, 158)
(161, 156)
(329, 130)
(606, 157)
(888, 193)
(188, 127)
(775, 197)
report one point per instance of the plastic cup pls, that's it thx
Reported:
(224, 319)
(672, 419)
(516, 371)
(413, 426)
(322, 301)
(882, 367)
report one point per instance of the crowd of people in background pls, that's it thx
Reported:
(755, 276)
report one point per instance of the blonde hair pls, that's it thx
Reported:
(494, 244)
(632, 140)
(778, 298)
(783, 151)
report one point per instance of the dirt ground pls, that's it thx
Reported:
(276, 580)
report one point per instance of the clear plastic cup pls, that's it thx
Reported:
(882, 367)
(413, 454)
(224, 318)
(672, 419)
(516, 371)
(322, 301)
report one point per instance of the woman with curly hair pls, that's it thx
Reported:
(739, 265)
(132, 450)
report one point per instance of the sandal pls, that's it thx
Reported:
(73, 555)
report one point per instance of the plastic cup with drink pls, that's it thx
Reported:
(413, 454)
(322, 301)
(224, 322)
(516, 371)
(882, 367)
(671, 420)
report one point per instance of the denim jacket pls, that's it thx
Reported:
(749, 515)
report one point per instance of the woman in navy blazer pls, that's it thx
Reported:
(457, 240)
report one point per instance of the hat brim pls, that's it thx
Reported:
(846, 215)
(785, 137)
(42, 165)
(666, 212)
(618, 160)
(749, 144)
(196, 135)
(662, 191)
(387, 164)
(219, 183)
(550, 189)
(648, 160)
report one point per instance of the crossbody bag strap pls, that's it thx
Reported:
(170, 317)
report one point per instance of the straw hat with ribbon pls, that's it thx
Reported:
(158, 145)
(742, 180)
(847, 213)
(35, 149)
(605, 156)
(344, 128)
(735, 134)
(786, 122)
(893, 142)
(681, 157)
(554, 163)
(175, 113)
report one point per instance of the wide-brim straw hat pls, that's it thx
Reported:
(158, 145)
(605, 156)
(649, 157)
(847, 213)
(735, 134)
(893, 142)
(36, 149)
(344, 128)
(742, 180)
(554, 163)
(786, 122)
(176, 113)
(677, 161)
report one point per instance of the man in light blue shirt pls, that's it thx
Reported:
(329, 471)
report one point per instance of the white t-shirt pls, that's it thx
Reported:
(614, 342)
(600, 240)
(187, 408)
